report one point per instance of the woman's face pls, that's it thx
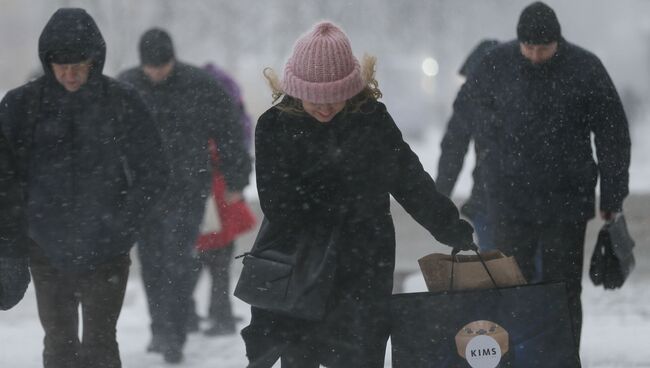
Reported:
(323, 112)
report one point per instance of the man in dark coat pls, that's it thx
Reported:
(90, 161)
(543, 97)
(14, 242)
(190, 108)
(460, 131)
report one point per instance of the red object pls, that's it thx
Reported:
(236, 218)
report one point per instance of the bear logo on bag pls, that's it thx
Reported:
(482, 344)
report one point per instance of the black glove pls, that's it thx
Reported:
(14, 279)
(460, 236)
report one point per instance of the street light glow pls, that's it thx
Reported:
(430, 67)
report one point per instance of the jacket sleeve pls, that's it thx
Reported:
(286, 194)
(612, 139)
(452, 152)
(416, 191)
(146, 163)
(223, 117)
(13, 222)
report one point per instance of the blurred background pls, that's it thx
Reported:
(420, 44)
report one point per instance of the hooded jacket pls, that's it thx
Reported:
(13, 224)
(538, 121)
(90, 161)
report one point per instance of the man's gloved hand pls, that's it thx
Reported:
(461, 237)
(14, 279)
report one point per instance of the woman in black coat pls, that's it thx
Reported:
(330, 149)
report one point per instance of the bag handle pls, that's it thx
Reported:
(454, 253)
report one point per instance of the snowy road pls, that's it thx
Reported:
(616, 328)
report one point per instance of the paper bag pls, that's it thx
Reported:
(211, 222)
(469, 273)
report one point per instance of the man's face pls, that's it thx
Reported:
(158, 73)
(538, 54)
(72, 76)
(323, 112)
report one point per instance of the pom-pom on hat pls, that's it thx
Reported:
(322, 68)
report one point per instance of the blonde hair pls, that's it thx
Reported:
(370, 92)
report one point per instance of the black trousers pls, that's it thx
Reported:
(100, 294)
(167, 256)
(561, 245)
(218, 262)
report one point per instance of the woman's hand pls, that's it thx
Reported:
(459, 236)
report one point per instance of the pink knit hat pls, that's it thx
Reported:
(322, 68)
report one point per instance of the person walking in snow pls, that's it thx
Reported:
(543, 97)
(461, 129)
(330, 149)
(14, 240)
(90, 161)
(190, 108)
(215, 248)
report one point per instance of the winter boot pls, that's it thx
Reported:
(220, 328)
(173, 354)
(155, 345)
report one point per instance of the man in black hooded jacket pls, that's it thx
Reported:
(542, 98)
(190, 107)
(90, 161)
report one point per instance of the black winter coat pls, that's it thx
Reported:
(538, 121)
(460, 131)
(91, 161)
(310, 172)
(453, 147)
(13, 223)
(190, 107)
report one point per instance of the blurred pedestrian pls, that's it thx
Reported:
(215, 247)
(190, 108)
(14, 242)
(543, 98)
(89, 159)
(329, 150)
(216, 243)
(232, 89)
(461, 130)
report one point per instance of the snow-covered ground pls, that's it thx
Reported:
(616, 324)
(615, 333)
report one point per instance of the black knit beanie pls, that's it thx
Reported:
(156, 47)
(538, 25)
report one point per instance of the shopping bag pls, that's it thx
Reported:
(226, 221)
(469, 273)
(613, 259)
(235, 218)
(211, 222)
(525, 326)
